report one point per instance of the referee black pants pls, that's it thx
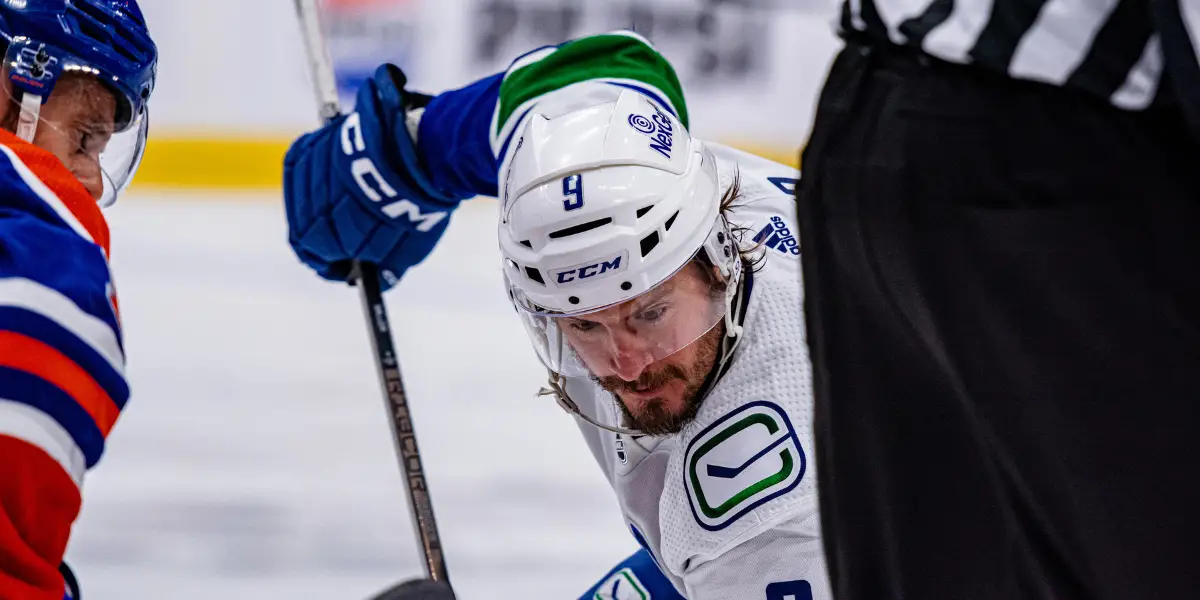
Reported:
(1003, 304)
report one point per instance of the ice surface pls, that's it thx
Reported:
(254, 459)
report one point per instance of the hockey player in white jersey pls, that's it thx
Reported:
(657, 276)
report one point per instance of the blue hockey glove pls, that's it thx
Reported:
(635, 577)
(355, 189)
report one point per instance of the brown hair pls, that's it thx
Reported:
(751, 255)
(731, 199)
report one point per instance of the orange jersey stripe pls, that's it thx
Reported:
(38, 504)
(55, 175)
(36, 358)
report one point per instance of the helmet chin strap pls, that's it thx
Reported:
(31, 107)
(734, 317)
(557, 388)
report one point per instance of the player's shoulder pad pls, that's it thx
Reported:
(741, 460)
(35, 181)
(57, 309)
(742, 471)
(765, 207)
(739, 475)
(635, 578)
(52, 231)
(743, 465)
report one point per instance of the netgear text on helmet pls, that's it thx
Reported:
(660, 131)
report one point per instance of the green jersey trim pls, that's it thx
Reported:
(612, 56)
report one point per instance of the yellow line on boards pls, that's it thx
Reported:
(221, 163)
(786, 155)
(195, 162)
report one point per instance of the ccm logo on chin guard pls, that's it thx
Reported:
(601, 268)
(362, 168)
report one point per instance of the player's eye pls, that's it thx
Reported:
(92, 138)
(581, 325)
(653, 314)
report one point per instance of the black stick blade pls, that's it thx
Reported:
(418, 589)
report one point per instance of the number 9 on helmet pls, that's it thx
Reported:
(616, 254)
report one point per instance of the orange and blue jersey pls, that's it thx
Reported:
(62, 383)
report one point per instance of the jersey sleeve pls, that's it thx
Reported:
(786, 562)
(465, 134)
(62, 385)
(635, 577)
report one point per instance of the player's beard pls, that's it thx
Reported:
(655, 418)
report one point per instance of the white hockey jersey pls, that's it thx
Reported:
(728, 506)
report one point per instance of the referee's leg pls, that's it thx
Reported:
(1003, 306)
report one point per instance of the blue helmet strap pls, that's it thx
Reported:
(34, 68)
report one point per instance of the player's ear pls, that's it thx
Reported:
(9, 112)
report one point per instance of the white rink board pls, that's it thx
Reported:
(236, 67)
(254, 459)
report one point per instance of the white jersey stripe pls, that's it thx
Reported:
(953, 39)
(894, 13)
(1190, 11)
(856, 15)
(529, 59)
(1074, 43)
(32, 426)
(1142, 82)
(1059, 39)
(35, 297)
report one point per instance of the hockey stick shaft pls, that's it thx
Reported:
(366, 277)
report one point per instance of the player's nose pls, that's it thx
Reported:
(630, 356)
(89, 174)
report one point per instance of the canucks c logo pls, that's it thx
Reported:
(743, 460)
(777, 236)
(622, 585)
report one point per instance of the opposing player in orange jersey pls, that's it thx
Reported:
(73, 90)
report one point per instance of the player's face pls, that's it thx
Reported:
(77, 122)
(667, 397)
(620, 346)
(74, 125)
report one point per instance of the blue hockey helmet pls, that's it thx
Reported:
(106, 39)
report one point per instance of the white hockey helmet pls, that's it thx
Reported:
(600, 207)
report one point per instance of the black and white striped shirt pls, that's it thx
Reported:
(1111, 48)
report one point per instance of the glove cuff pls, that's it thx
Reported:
(391, 103)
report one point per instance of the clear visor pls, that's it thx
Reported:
(624, 340)
(120, 158)
(78, 126)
